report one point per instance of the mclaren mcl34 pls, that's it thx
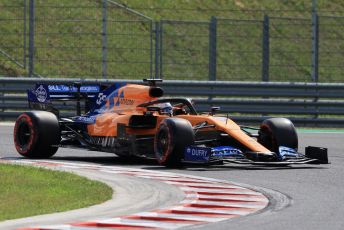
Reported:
(136, 120)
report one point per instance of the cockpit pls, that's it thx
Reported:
(170, 106)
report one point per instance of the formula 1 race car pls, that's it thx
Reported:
(134, 120)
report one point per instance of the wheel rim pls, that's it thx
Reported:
(23, 134)
(162, 143)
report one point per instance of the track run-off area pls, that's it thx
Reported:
(202, 197)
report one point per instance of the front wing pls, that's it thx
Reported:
(228, 154)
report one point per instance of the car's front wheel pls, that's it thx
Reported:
(276, 132)
(172, 136)
(36, 134)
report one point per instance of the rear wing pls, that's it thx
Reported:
(42, 96)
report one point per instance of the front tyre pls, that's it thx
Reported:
(172, 136)
(36, 133)
(276, 132)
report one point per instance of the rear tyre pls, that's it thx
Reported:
(276, 132)
(173, 135)
(35, 133)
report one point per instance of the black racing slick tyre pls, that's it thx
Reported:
(276, 132)
(172, 136)
(36, 134)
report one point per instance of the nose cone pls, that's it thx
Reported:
(263, 157)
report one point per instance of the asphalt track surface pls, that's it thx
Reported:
(316, 193)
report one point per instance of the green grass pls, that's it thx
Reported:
(320, 130)
(73, 49)
(27, 191)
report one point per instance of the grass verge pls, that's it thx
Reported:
(27, 191)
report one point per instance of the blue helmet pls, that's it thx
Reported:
(165, 108)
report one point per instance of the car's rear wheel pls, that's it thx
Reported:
(36, 134)
(172, 136)
(276, 132)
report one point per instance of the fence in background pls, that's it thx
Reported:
(331, 47)
(96, 39)
(91, 39)
(306, 104)
(290, 49)
(184, 49)
(239, 49)
(13, 32)
(103, 39)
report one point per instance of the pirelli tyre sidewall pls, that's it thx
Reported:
(35, 134)
(172, 136)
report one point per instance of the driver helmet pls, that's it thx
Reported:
(165, 108)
